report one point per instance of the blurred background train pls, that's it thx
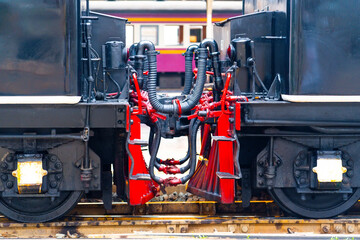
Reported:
(171, 25)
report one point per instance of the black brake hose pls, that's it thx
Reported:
(214, 54)
(181, 161)
(193, 135)
(189, 55)
(187, 104)
(155, 148)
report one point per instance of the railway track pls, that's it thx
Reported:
(201, 219)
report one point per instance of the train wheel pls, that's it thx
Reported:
(39, 209)
(314, 205)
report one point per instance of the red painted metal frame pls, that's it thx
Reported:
(139, 191)
(222, 154)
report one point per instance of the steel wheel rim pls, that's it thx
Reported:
(287, 204)
(68, 202)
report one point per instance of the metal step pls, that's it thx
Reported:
(226, 175)
(138, 142)
(141, 176)
(223, 138)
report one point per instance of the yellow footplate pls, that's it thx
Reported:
(29, 173)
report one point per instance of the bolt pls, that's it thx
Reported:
(96, 185)
(53, 184)
(297, 162)
(4, 177)
(4, 165)
(58, 165)
(261, 163)
(231, 108)
(350, 163)
(58, 176)
(345, 181)
(95, 176)
(350, 228)
(244, 228)
(350, 173)
(120, 110)
(278, 162)
(297, 174)
(9, 184)
(261, 174)
(338, 229)
(53, 158)
(260, 182)
(303, 197)
(171, 230)
(183, 230)
(302, 155)
(325, 229)
(231, 120)
(9, 158)
(119, 122)
(345, 156)
(302, 180)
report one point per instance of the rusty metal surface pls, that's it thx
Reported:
(258, 208)
(102, 226)
(204, 220)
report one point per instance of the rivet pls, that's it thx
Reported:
(4, 165)
(53, 184)
(244, 228)
(350, 228)
(9, 184)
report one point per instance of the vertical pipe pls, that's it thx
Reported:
(209, 26)
(103, 70)
(271, 152)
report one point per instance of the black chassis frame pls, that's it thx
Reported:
(284, 130)
(102, 115)
(107, 118)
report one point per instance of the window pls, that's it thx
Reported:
(129, 35)
(173, 35)
(196, 33)
(149, 33)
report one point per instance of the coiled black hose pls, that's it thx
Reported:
(193, 130)
(214, 54)
(181, 161)
(185, 105)
(155, 148)
(146, 77)
(132, 53)
(189, 54)
(140, 60)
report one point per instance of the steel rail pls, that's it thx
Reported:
(205, 219)
(102, 226)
